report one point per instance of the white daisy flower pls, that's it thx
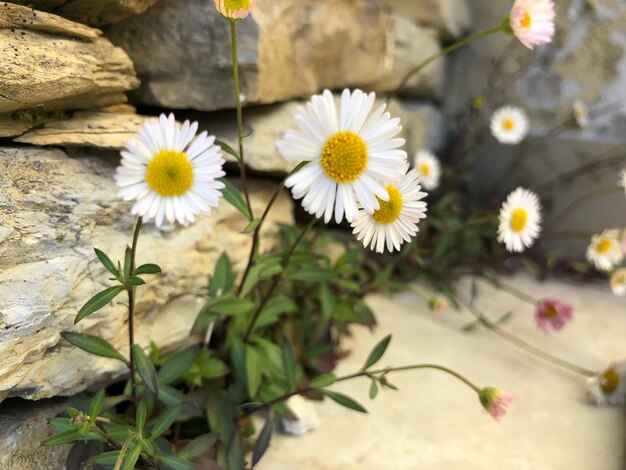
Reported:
(353, 154)
(609, 387)
(532, 21)
(509, 125)
(170, 171)
(581, 114)
(395, 222)
(618, 282)
(429, 169)
(605, 251)
(520, 220)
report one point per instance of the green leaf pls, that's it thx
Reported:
(146, 445)
(106, 262)
(199, 446)
(165, 420)
(383, 276)
(93, 345)
(177, 365)
(377, 352)
(227, 148)
(289, 364)
(132, 457)
(135, 281)
(313, 274)
(274, 308)
(128, 256)
(147, 269)
(64, 437)
(170, 396)
(373, 389)
(223, 278)
(106, 458)
(96, 405)
(119, 433)
(263, 441)
(251, 227)
(140, 416)
(236, 453)
(345, 400)
(327, 300)
(145, 368)
(172, 462)
(205, 366)
(232, 306)
(234, 197)
(253, 370)
(322, 381)
(98, 301)
(62, 424)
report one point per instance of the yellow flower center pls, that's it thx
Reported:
(170, 173)
(508, 124)
(518, 220)
(389, 210)
(526, 21)
(604, 246)
(609, 381)
(344, 157)
(236, 4)
(550, 312)
(424, 169)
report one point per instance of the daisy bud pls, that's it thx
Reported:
(618, 282)
(234, 9)
(532, 22)
(609, 387)
(495, 401)
(437, 304)
(552, 313)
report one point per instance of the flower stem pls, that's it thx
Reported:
(365, 373)
(276, 281)
(529, 348)
(131, 310)
(451, 48)
(242, 164)
(523, 296)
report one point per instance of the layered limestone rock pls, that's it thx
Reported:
(50, 64)
(55, 210)
(450, 17)
(287, 49)
(93, 12)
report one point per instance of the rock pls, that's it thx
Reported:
(51, 64)
(24, 427)
(450, 17)
(303, 417)
(288, 49)
(55, 209)
(93, 12)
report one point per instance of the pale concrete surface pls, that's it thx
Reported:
(435, 422)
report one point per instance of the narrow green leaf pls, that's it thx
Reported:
(275, 307)
(135, 281)
(223, 278)
(165, 420)
(98, 301)
(236, 453)
(313, 274)
(377, 352)
(146, 369)
(263, 441)
(322, 381)
(62, 424)
(170, 396)
(147, 269)
(106, 262)
(124, 451)
(133, 456)
(146, 445)
(177, 365)
(373, 389)
(93, 345)
(199, 446)
(173, 462)
(251, 227)
(96, 405)
(345, 400)
(289, 364)
(327, 300)
(128, 255)
(106, 458)
(234, 197)
(227, 148)
(64, 437)
(232, 306)
(253, 370)
(140, 416)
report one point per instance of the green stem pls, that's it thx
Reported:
(451, 48)
(364, 373)
(131, 310)
(276, 281)
(524, 297)
(242, 164)
(584, 200)
(529, 348)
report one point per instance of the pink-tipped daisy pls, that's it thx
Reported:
(495, 401)
(552, 313)
(234, 9)
(353, 155)
(532, 21)
(170, 171)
